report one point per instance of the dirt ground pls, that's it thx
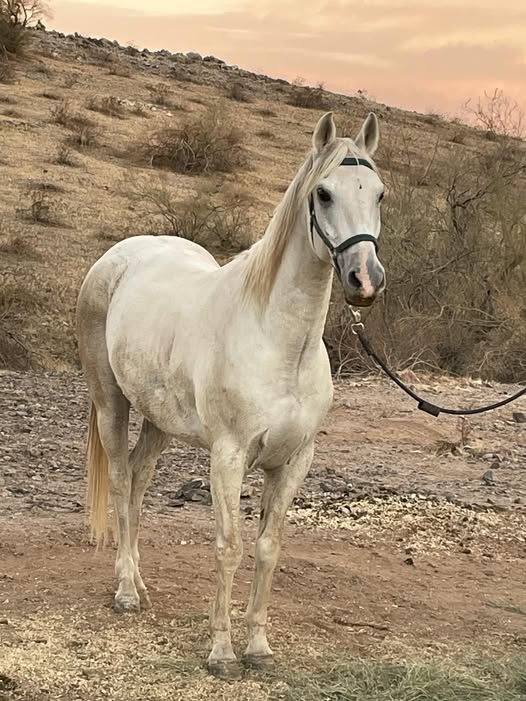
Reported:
(409, 535)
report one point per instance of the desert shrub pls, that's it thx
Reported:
(83, 136)
(119, 69)
(84, 131)
(108, 105)
(16, 16)
(199, 145)
(455, 261)
(497, 114)
(7, 69)
(42, 207)
(236, 91)
(308, 98)
(223, 225)
(14, 38)
(160, 94)
(65, 156)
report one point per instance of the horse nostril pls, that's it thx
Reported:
(354, 280)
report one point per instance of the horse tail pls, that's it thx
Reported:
(98, 481)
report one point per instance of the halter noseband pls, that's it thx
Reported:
(358, 238)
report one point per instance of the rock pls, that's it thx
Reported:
(409, 561)
(194, 56)
(488, 479)
(519, 417)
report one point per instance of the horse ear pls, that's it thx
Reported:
(369, 135)
(325, 132)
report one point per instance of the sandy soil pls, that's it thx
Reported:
(399, 541)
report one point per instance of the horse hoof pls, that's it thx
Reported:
(260, 663)
(228, 670)
(126, 604)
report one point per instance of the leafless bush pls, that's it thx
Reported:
(108, 105)
(43, 207)
(16, 16)
(65, 156)
(84, 131)
(83, 135)
(308, 98)
(119, 68)
(237, 91)
(200, 145)
(16, 300)
(225, 225)
(160, 94)
(498, 114)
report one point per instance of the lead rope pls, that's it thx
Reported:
(358, 329)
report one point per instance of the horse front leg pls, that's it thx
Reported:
(281, 485)
(227, 467)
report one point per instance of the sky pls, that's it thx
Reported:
(427, 55)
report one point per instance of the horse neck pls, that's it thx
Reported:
(299, 302)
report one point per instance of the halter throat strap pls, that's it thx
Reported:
(352, 240)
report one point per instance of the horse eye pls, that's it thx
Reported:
(324, 195)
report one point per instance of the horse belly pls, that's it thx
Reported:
(169, 404)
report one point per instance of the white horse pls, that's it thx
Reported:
(228, 358)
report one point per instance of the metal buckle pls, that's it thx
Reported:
(357, 324)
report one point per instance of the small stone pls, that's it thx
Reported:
(488, 478)
(409, 561)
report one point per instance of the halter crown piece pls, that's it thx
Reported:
(352, 240)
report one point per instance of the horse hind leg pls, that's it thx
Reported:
(143, 459)
(112, 428)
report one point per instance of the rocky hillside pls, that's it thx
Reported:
(89, 134)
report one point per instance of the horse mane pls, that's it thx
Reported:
(266, 255)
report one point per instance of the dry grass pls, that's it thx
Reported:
(413, 680)
(201, 145)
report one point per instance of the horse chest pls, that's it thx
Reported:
(291, 421)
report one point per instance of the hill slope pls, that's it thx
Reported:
(79, 146)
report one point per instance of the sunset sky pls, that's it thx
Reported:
(429, 55)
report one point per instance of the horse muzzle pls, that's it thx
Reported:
(362, 277)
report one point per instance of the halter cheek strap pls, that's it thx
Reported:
(352, 240)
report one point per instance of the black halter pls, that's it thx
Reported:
(358, 238)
